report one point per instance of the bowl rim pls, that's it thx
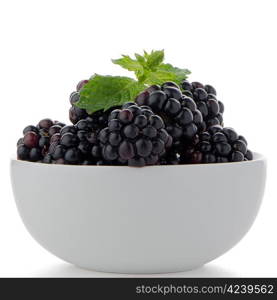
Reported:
(257, 157)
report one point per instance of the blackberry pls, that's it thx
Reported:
(36, 140)
(216, 145)
(206, 101)
(135, 136)
(75, 144)
(182, 118)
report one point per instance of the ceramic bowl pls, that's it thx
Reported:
(139, 220)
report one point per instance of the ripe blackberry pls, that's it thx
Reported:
(36, 140)
(206, 101)
(99, 119)
(135, 136)
(179, 112)
(216, 145)
(75, 144)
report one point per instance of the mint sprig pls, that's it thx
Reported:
(103, 92)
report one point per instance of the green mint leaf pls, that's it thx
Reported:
(103, 92)
(142, 64)
(128, 63)
(141, 59)
(166, 72)
(154, 59)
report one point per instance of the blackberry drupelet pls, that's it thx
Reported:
(135, 136)
(36, 140)
(182, 118)
(206, 101)
(170, 158)
(216, 145)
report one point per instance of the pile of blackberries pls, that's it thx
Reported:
(165, 125)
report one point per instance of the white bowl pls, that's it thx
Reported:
(139, 220)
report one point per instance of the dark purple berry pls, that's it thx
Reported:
(131, 131)
(209, 158)
(68, 128)
(23, 152)
(81, 84)
(69, 140)
(200, 94)
(58, 152)
(240, 146)
(152, 88)
(230, 133)
(213, 107)
(110, 153)
(30, 128)
(44, 141)
(196, 157)
(55, 138)
(157, 100)
(140, 121)
(96, 151)
(31, 139)
(104, 135)
(236, 156)
(172, 106)
(45, 123)
(74, 97)
(210, 89)
(20, 142)
(169, 83)
(249, 155)
(197, 85)
(85, 147)
(142, 98)
(156, 122)
(35, 154)
(219, 137)
(136, 162)
(72, 155)
(54, 129)
(115, 138)
(186, 85)
(125, 116)
(223, 149)
(144, 147)
(172, 92)
(126, 150)
(76, 114)
(114, 125)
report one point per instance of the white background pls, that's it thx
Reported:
(48, 46)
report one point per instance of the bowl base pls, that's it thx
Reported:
(140, 271)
